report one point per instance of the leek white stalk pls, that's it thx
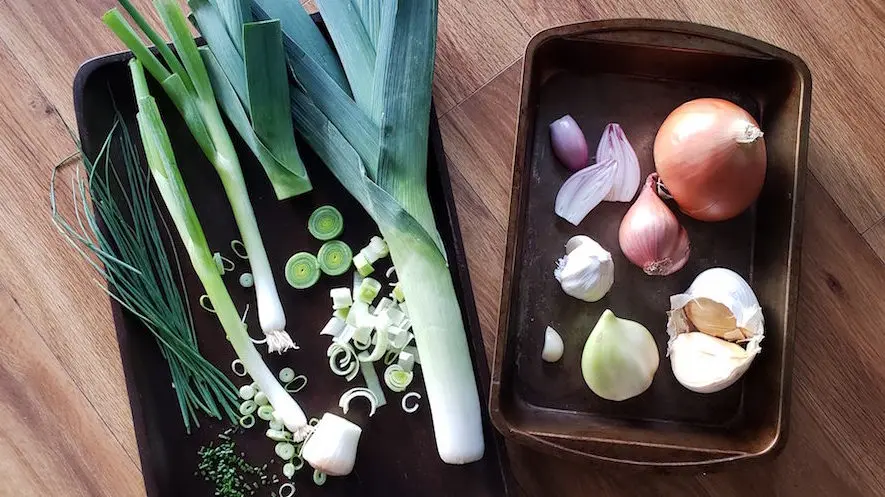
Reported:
(332, 447)
(168, 179)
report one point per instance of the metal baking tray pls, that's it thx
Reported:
(634, 72)
(397, 453)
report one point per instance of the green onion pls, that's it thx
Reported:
(265, 412)
(247, 421)
(286, 375)
(284, 450)
(301, 380)
(334, 257)
(288, 470)
(286, 490)
(261, 398)
(167, 177)
(130, 254)
(319, 477)
(302, 270)
(247, 392)
(368, 290)
(246, 280)
(362, 264)
(239, 249)
(248, 407)
(187, 83)
(325, 223)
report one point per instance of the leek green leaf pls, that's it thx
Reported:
(354, 46)
(212, 26)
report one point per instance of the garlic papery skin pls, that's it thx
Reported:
(650, 236)
(587, 271)
(553, 346)
(620, 358)
(706, 364)
(331, 449)
(719, 303)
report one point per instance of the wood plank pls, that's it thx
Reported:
(839, 40)
(51, 439)
(479, 136)
(53, 285)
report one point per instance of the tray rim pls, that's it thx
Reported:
(461, 277)
(737, 40)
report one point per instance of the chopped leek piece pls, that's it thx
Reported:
(396, 378)
(265, 413)
(362, 337)
(360, 316)
(286, 375)
(302, 270)
(301, 380)
(247, 280)
(247, 421)
(379, 349)
(341, 298)
(284, 450)
(376, 249)
(383, 304)
(414, 351)
(325, 223)
(286, 490)
(261, 399)
(369, 289)
(345, 335)
(319, 477)
(334, 257)
(248, 407)
(398, 293)
(342, 360)
(389, 272)
(372, 382)
(341, 313)
(406, 361)
(346, 397)
(406, 397)
(403, 307)
(395, 316)
(362, 264)
(399, 337)
(334, 327)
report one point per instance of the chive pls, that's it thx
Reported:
(302, 270)
(334, 257)
(325, 223)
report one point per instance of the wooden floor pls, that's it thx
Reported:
(66, 426)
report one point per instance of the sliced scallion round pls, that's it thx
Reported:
(284, 450)
(247, 280)
(239, 369)
(247, 421)
(299, 383)
(325, 223)
(248, 407)
(319, 477)
(247, 392)
(286, 490)
(261, 399)
(288, 470)
(406, 397)
(206, 304)
(278, 435)
(276, 424)
(266, 412)
(302, 270)
(286, 375)
(334, 257)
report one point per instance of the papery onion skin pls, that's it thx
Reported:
(710, 154)
(568, 143)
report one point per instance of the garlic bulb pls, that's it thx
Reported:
(331, 449)
(553, 346)
(620, 358)
(587, 271)
(705, 364)
(717, 309)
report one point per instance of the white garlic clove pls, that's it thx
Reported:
(719, 303)
(587, 271)
(553, 346)
(705, 364)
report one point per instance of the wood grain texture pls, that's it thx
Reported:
(60, 360)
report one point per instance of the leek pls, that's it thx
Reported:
(167, 177)
(187, 83)
(386, 172)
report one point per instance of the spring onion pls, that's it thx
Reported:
(406, 397)
(265, 412)
(301, 382)
(325, 223)
(286, 375)
(284, 450)
(278, 435)
(168, 180)
(247, 421)
(334, 257)
(368, 290)
(288, 470)
(362, 264)
(261, 399)
(248, 407)
(319, 477)
(396, 378)
(129, 254)
(341, 298)
(246, 280)
(302, 270)
(186, 81)
(247, 392)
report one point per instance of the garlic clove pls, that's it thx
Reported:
(706, 364)
(719, 303)
(614, 145)
(553, 346)
(650, 236)
(587, 271)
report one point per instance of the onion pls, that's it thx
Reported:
(710, 155)
(569, 145)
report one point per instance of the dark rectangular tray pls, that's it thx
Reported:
(397, 454)
(634, 72)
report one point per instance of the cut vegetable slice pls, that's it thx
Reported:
(584, 190)
(362, 264)
(368, 290)
(334, 257)
(302, 270)
(325, 223)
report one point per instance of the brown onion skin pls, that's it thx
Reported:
(710, 176)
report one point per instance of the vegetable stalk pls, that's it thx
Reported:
(168, 179)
